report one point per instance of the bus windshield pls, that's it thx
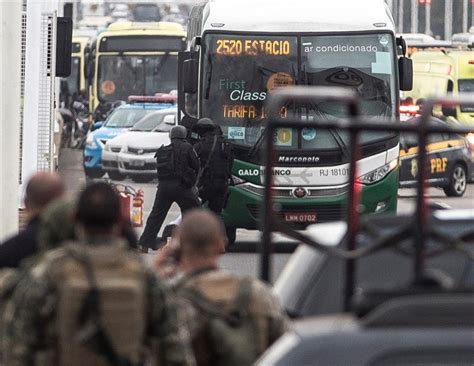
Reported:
(121, 76)
(240, 71)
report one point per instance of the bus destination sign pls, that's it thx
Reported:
(253, 47)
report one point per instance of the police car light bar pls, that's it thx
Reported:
(157, 98)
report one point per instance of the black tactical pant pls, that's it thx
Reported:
(215, 193)
(169, 191)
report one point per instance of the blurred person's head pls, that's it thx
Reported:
(202, 239)
(56, 225)
(98, 210)
(41, 190)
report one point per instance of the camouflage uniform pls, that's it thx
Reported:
(222, 287)
(32, 331)
(55, 226)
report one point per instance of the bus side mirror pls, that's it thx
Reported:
(90, 71)
(63, 46)
(89, 67)
(405, 72)
(190, 71)
(87, 52)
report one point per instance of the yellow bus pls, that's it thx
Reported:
(132, 58)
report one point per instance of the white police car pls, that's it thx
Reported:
(133, 153)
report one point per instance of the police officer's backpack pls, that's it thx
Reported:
(165, 162)
(172, 163)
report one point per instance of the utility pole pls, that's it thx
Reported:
(472, 13)
(448, 19)
(465, 15)
(428, 17)
(401, 4)
(10, 79)
(414, 16)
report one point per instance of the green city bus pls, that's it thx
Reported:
(239, 51)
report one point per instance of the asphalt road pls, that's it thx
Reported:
(242, 263)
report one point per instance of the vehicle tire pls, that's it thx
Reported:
(231, 235)
(142, 178)
(94, 173)
(457, 182)
(116, 175)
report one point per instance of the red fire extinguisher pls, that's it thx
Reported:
(125, 203)
(137, 209)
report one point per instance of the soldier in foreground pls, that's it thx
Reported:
(93, 302)
(232, 320)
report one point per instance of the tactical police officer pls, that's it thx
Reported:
(177, 167)
(216, 158)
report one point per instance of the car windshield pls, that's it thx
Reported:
(156, 122)
(239, 72)
(121, 76)
(125, 117)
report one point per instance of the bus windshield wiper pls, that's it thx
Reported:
(333, 131)
(257, 144)
(339, 141)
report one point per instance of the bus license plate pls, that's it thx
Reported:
(137, 163)
(300, 216)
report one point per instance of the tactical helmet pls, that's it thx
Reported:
(178, 132)
(204, 125)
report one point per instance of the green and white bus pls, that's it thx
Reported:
(241, 50)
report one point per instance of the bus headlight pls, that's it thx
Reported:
(90, 142)
(236, 180)
(379, 173)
